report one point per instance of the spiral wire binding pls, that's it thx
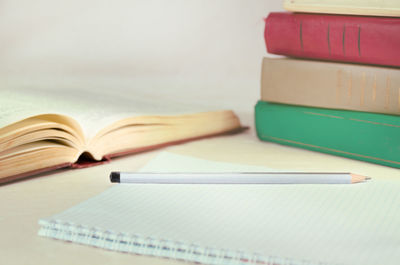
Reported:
(142, 245)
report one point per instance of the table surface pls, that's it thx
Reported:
(23, 203)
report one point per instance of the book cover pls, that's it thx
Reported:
(364, 136)
(331, 85)
(358, 39)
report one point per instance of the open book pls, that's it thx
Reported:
(44, 129)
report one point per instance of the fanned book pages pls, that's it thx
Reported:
(390, 8)
(238, 224)
(44, 129)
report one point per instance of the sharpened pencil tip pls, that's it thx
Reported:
(355, 178)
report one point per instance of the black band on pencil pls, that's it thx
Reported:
(115, 177)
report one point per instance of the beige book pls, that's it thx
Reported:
(389, 8)
(331, 85)
(44, 129)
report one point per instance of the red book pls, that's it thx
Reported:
(358, 39)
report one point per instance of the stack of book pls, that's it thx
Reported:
(338, 91)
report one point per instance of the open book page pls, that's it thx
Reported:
(93, 109)
(355, 224)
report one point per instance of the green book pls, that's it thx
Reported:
(366, 136)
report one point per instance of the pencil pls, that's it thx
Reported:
(236, 178)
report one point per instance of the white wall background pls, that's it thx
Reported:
(193, 44)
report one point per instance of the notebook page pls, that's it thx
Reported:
(328, 224)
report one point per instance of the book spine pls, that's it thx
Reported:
(152, 246)
(364, 136)
(331, 85)
(360, 39)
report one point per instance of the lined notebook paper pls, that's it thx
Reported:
(239, 224)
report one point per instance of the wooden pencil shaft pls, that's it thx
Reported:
(236, 178)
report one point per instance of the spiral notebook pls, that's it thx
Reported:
(238, 224)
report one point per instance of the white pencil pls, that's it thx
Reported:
(236, 178)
